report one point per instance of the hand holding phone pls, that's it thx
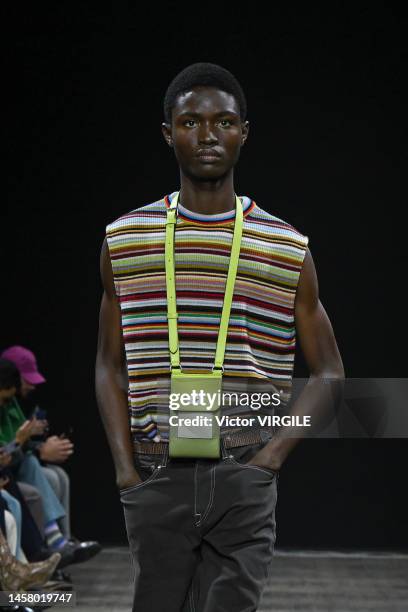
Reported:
(38, 427)
(39, 414)
(9, 448)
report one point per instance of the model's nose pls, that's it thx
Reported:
(206, 133)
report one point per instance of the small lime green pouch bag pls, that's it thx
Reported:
(194, 430)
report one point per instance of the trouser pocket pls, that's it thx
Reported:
(240, 456)
(146, 475)
(148, 467)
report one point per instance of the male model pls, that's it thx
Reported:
(202, 530)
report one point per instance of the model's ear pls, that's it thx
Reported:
(245, 130)
(166, 130)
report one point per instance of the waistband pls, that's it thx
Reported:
(231, 440)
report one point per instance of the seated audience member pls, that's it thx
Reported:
(32, 540)
(50, 450)
(14, 428)
(11, 534)
(14, 509)
(32, 497)
(15, 575)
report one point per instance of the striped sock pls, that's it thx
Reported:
(53, 536)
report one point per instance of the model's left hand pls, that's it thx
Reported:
(264, 458)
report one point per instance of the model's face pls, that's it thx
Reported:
(206, 132)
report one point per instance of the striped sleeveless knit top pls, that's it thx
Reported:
(261, 337)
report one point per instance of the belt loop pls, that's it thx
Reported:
(165, 455)
(224, 452)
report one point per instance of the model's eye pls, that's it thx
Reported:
(189, 123)
(225, 122)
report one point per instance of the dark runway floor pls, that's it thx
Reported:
(301, 582)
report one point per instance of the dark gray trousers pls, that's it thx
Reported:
(201, 532)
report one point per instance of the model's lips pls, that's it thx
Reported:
(208, 154)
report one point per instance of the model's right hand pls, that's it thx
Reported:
(123, 481)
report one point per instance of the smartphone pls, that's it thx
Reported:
(10, 447)
(39, 414)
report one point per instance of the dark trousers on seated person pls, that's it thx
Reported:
(201, 532)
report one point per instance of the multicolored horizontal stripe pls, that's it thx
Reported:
(261, 337)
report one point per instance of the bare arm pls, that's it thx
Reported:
(111, 379)
(323, 359)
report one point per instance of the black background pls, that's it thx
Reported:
(327, 103)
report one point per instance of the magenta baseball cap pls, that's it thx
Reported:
(26, 362)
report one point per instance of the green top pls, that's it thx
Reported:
(11, 418)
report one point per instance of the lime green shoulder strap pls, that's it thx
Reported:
(171, 285)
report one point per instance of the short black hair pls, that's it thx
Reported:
(9, 375)
(203, 74)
